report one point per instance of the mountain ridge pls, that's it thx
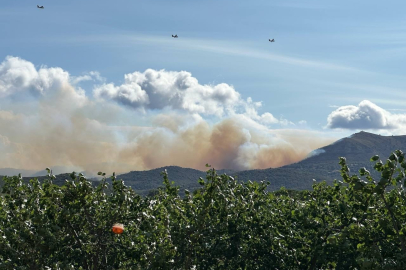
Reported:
(321, 165)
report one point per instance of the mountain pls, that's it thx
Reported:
(141, 181)
(11, 171)
(61, 170)
(321, 164)
(33, 173)
(185, 178)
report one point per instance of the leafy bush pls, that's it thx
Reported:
(359, 223)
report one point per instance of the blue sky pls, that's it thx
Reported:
(333, 68)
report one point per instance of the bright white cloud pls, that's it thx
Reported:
(366, 115)
(157, 90)
(251, 110)
(16, 75)
(20, 77)
(161, 89)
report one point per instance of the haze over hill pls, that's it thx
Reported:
(321, 164)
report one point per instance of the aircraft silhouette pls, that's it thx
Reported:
(272, 40)
(175, 36)
(40, 7)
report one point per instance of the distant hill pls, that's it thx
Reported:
(321, 164)
(60, 170)
(34, 173)
(11, 171)
(185, 178)
(59, 180)
(141, 181)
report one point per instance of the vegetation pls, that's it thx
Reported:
(357, 223)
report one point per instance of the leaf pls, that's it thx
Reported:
(393, 157)
(201, 181)
(363, 171)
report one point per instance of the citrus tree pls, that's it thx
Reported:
(356, 223)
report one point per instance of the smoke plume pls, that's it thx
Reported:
(154, 119)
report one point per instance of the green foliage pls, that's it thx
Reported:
(357, 223)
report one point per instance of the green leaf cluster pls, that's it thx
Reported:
(357, 223)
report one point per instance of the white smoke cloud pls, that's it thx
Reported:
(316, 152)
(366, 115)
(60, 125)
(161, 89)
(157, 90)
(17, 75)
(20, 77)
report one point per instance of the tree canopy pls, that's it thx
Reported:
(356, 223)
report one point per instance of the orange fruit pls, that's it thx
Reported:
(118, 228)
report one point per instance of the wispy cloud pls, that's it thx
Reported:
(89, 76)
(229, 47)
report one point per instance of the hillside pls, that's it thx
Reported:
(185, 178)
(141, 181)
(358, 149)
(12, 171)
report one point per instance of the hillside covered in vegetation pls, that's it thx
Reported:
(321, 165)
